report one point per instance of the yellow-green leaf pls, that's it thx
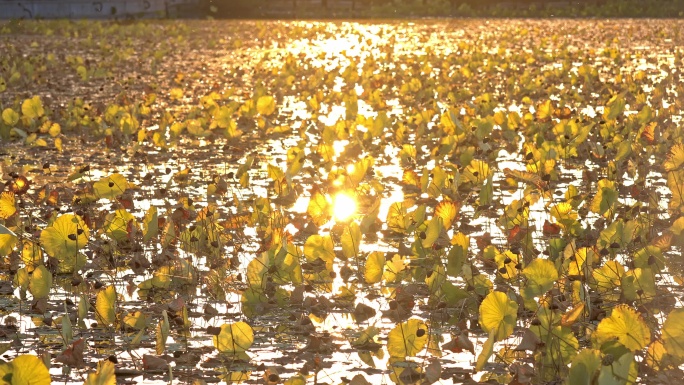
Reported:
(234, 338)
(673, 333)
(104, 376)
(498, 313)
(351, 240)
(434, 228)
(448, 211)
(626, 326)
(407, 338)
(541, 274)
(584, 367)
(266, 105)
(319, 247)
(150, 224)
(375, 265)
(319, 209)
(111, 186)
(40, 282)
(606, 198)
(25, 369)
(32, 108)
(104, 306)
(163, 328)
(10, 117)
(7, 205)
(136, 320)
(487, 350)
(674, 160)
(65, 237)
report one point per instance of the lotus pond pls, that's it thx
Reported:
(300, 202)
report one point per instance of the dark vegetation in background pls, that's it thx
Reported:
(442, 8)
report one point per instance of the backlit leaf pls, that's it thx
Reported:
(605, 199)
(541, 274)
(351, 240)
(319, 209)
(65, 237)
(375, 264)
(150, 224)
(10, 117)
(105, 312)
(319, 247)
(626, 326)
(25, 369)
(266, 105)
(432, 232)
(407, 338)
(7, 205)
(111, 186)
(673, 333)
(675, 158)
(32, 108)
(104, 375)
(40, 282)
(498, 314)
(234, 338)
(487, 350)
(584, 366)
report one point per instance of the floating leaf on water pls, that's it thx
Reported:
(524, 176)
(73, 355)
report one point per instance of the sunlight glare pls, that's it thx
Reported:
(344, 207)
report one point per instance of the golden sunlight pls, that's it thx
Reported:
(344, 207)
